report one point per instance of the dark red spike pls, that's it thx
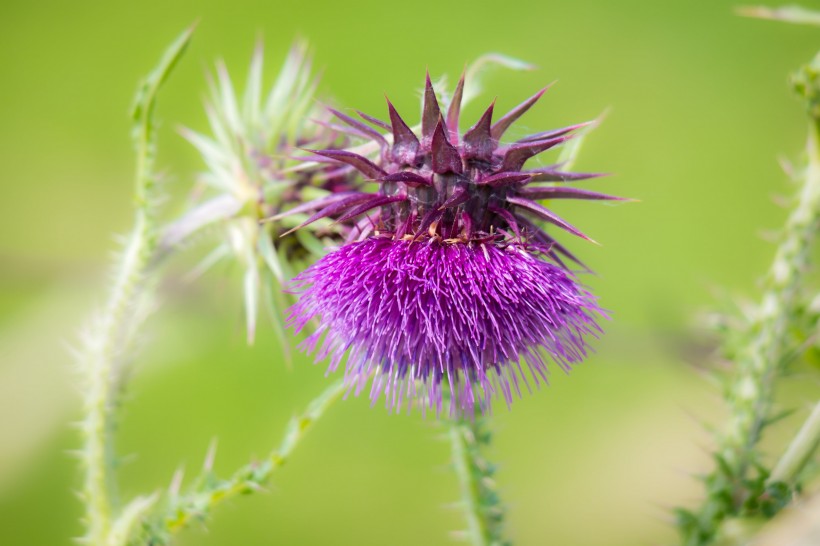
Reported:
(501, 126)
(317, 204)
(410, 178)
(460, 195)
(561, 249)
(549, 174)
(373, 121)
(361, 127)
(446, 158)
(376, 201)
(430, 112)
(333, 209)
(541, 236)
(555, 132)
(546, 214)
(341, 129)
(508, 217)
(454, 110)
(478, 141)
(432, 215)
(518, 154)
(505, 178)
(361, 164)
(405, 142)
(361, 229)
(552, 192)
(405, 225)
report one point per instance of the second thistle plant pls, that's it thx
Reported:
(249, 157)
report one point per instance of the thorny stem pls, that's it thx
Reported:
(108, 340)
(760, 361)
(208, 491)
(763, 351)
(482, 505)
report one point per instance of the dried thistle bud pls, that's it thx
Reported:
(252, 175)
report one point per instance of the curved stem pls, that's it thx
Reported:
(109, 337)
(208, 491)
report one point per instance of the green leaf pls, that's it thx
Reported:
(147, 91)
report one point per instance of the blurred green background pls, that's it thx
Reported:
(699, 110)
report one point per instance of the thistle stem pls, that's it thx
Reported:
(800, 451)
(482, 505)
(209, 491)
(103, 352)
(109, 337)
(760, 360)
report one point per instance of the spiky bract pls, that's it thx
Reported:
(455, 187)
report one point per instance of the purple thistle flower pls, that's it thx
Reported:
(447, 278)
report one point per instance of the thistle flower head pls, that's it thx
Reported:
(452, 278)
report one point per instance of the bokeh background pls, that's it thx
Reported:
(699, 110)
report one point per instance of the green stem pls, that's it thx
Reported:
(109, 337)
(209, 491)
(764, 348)
(760, 362)
(800, 451)
(482, 505)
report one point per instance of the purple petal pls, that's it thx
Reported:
(434, 318)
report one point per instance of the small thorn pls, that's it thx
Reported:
(501, 126)
(454, 110)
(176, 482)
(210, 456)
(478, 141)
(430, 112)
(405, 142)
(446, 157)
